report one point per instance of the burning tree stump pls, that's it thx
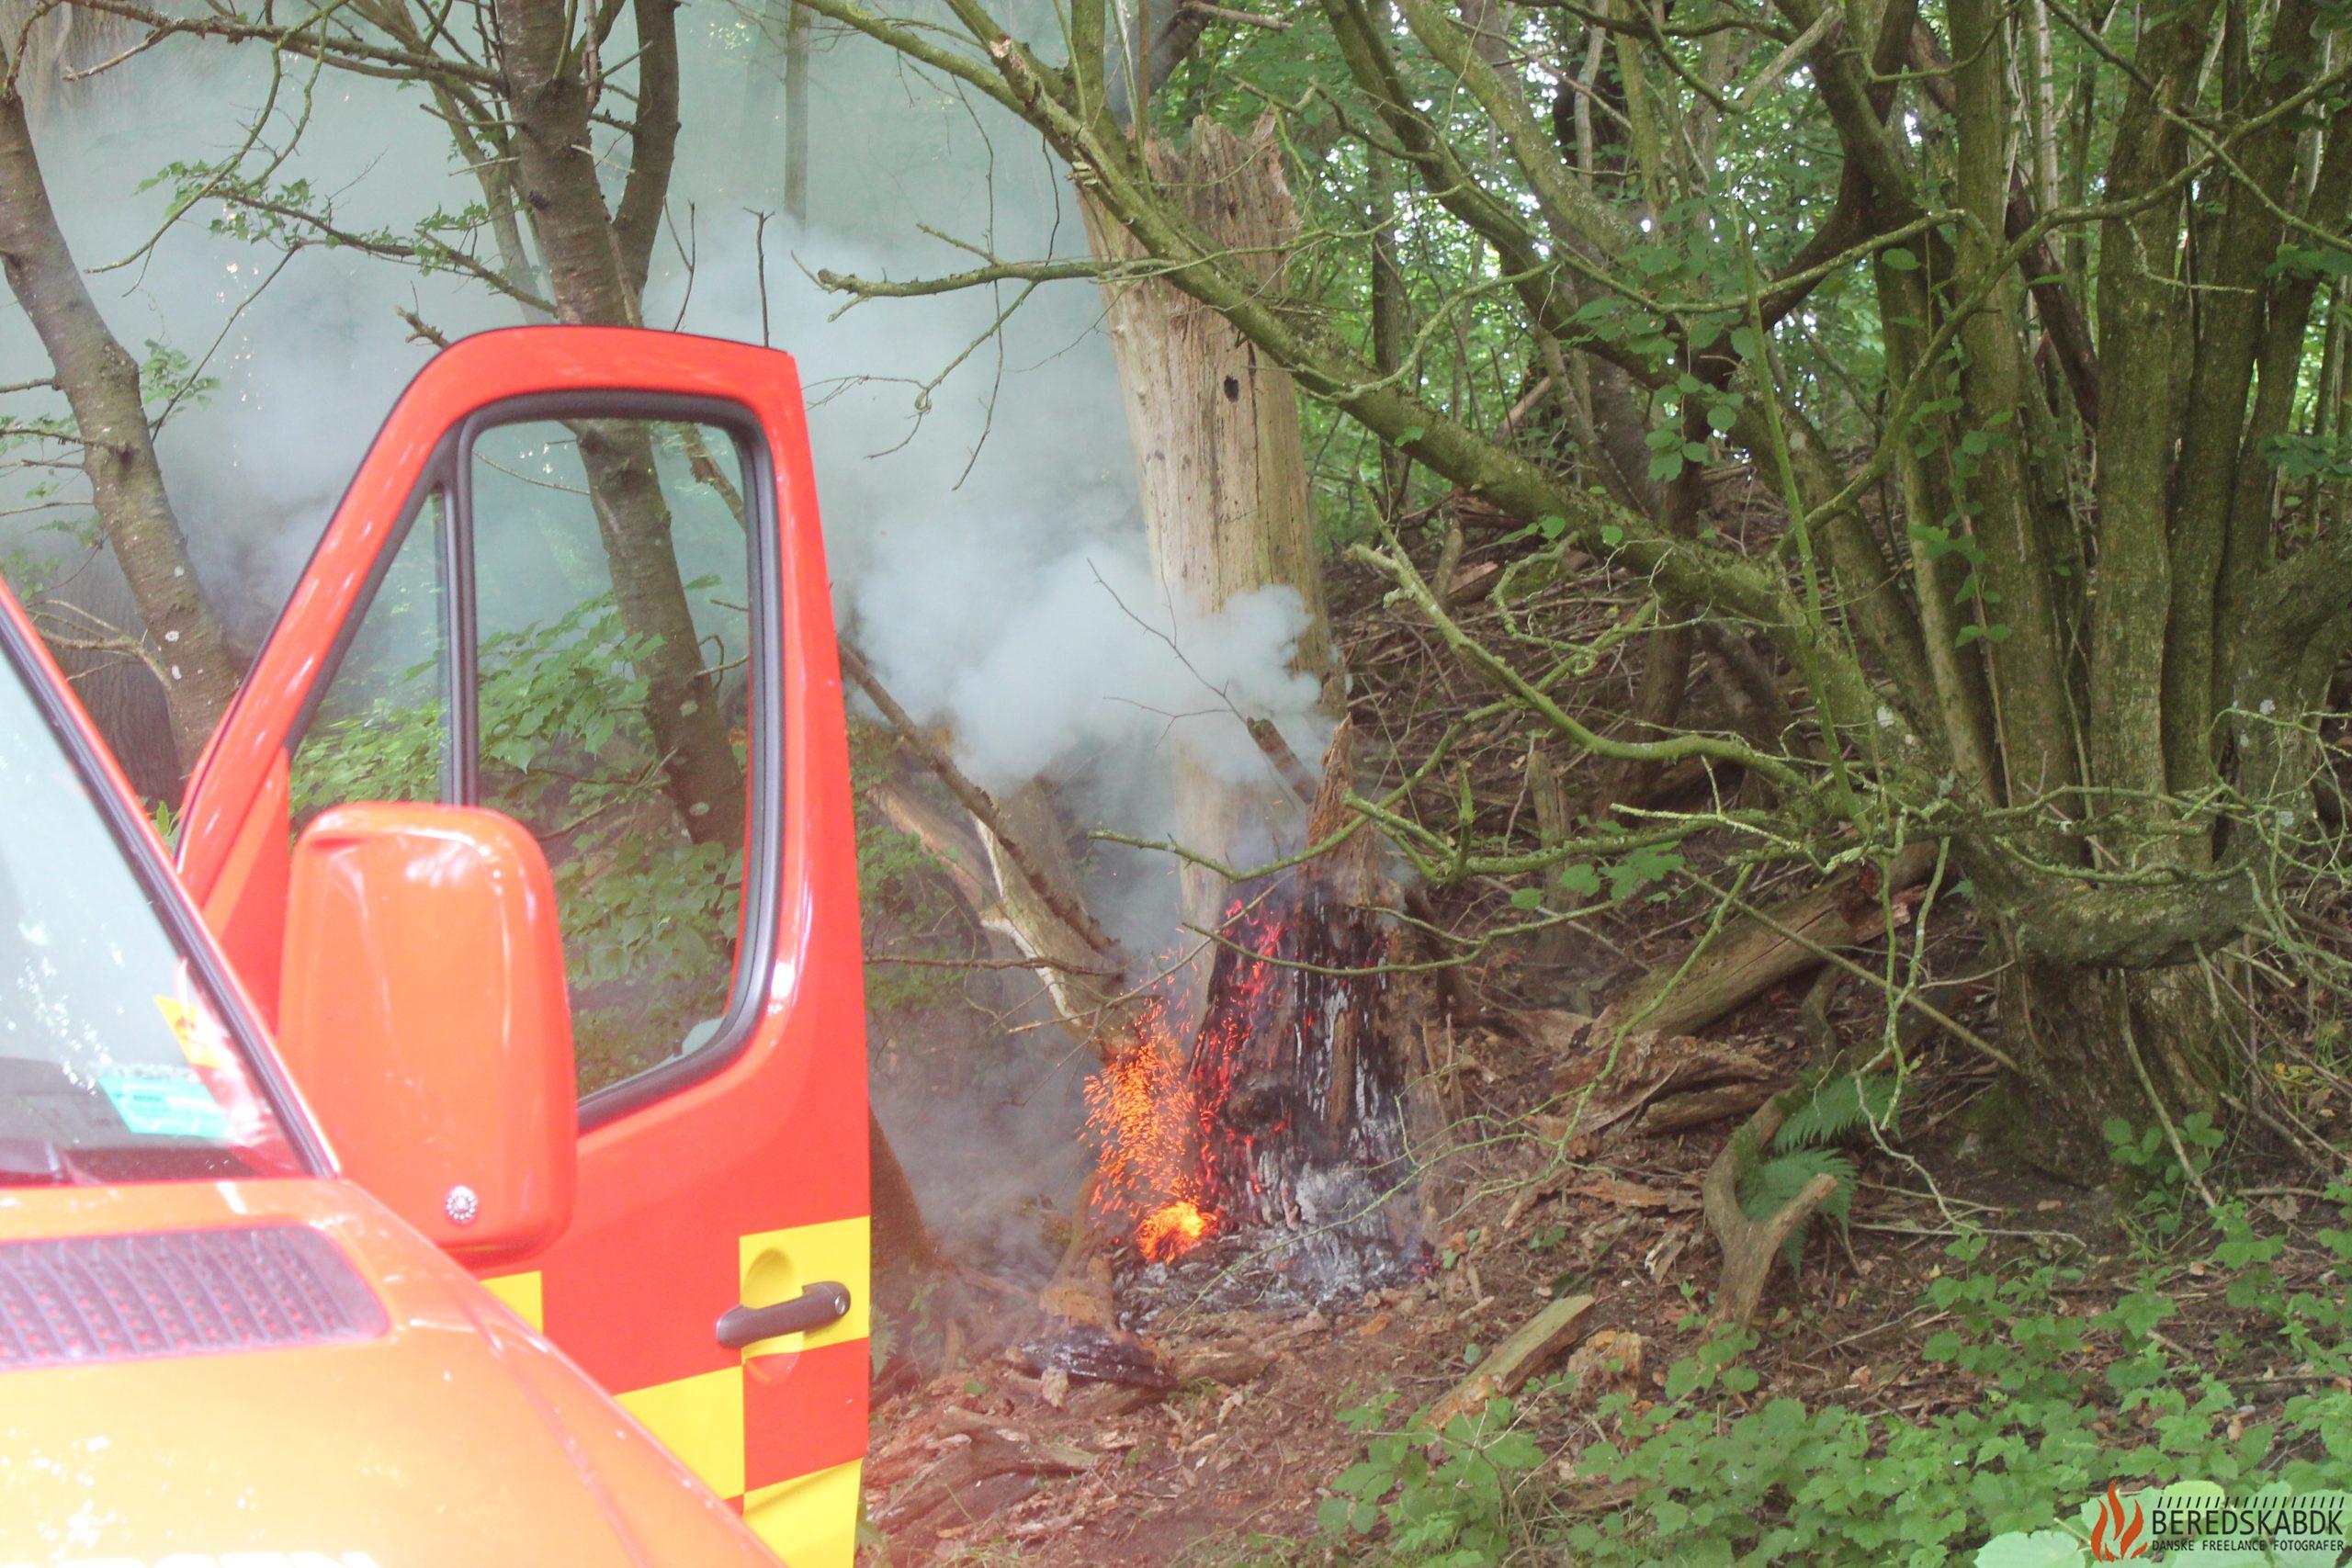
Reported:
(1277, 1133)
(1281, 1132)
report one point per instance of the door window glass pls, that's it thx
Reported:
(383, 726)
(612, 614)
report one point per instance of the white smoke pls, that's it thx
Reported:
(989, 553)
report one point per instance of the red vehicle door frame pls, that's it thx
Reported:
(764, 1142)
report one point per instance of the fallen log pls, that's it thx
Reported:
(1700, 1107)
(1533, 1345)
(1088, 1354)
(1611, 1082)
(1231, 1365)
(1751, 956)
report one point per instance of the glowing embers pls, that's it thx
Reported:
(1260, 1158)
(1175, 1120)
(1152, 1129)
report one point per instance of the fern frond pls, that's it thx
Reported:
(1836, 1108)
(1771, 1185)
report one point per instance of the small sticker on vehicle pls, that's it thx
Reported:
(198, 1035)
(165, 1107)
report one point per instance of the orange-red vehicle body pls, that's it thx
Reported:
(733, 1181)
(747, 1182)
(459, 1437)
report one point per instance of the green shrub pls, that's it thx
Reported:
(2055, 1404)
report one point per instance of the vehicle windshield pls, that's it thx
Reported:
(114, 1063)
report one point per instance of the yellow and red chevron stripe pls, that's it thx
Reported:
(747, 1429)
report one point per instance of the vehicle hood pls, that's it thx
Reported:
(445, 1433)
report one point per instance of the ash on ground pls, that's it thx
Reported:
(1343, 1237)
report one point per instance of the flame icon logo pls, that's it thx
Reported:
(2122, 1532)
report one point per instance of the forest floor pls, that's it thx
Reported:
(1212, 1473)
(984, 1461)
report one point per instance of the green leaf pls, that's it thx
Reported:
(1527, 898)
(2042, 1548)
(1901, 260)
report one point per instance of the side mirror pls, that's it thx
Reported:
(421, 1012)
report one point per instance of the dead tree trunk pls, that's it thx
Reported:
(100, 381)
(1219, 457)
(1310, 1115)
(796, 113)
(1008, 860)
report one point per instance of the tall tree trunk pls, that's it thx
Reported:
(1387, 297)
(796, 113)
(1219, 453)
(596, 262)
(100, 381)
(904, 1253)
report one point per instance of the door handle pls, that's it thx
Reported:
(819, 1305)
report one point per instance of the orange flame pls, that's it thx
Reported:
(1154, 1112)
(2118, 1535)
(1170, 1230)
(1145, 1114)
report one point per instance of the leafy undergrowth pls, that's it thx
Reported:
(1914, 1389)
(1959, 1353)
(2219, 1352)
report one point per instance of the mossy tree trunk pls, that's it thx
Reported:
(596, 257)
(183, 643)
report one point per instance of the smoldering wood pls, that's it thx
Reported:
(1302, 1072)
(1093, 1354)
